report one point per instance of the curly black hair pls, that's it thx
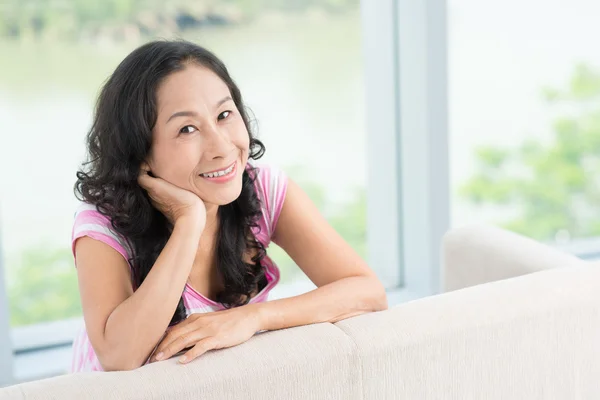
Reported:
(119, 141)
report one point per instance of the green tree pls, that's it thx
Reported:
(549, 186)
(42, 286)
(70, 18)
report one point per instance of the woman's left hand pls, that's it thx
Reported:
(209, 331)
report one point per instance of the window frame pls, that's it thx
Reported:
(408, 207)
(6, 352)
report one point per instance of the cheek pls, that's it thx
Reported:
(241, 138)
(175, 164)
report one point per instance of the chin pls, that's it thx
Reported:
(224, 196)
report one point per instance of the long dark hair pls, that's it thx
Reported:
(119, 141)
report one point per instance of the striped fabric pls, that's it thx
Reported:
(270, 185)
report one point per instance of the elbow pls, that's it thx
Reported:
(119, 361)
(383, 305)
(377, 296)
(380, 302)
(111, 365)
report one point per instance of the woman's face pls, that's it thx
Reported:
(199, 142)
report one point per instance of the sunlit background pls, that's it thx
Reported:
(524, 115)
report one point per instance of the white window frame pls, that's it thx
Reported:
(6, 350)
(408, 204)
(404, 47)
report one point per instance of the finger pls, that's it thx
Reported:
(204, 345)
(181, 342)
(144, 179)
(159, 353)
(183, 323)
(168, 338)
(174, 331)
(152, 357)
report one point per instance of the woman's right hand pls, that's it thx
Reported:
(173, 201)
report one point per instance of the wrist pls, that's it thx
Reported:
(257, 314)
(191, 222)
(262, 314)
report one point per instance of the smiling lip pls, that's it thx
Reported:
(222, 178)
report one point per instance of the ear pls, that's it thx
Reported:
(147, 167)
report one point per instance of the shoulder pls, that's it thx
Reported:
(88, 221)
(271, 180)
(85, 212)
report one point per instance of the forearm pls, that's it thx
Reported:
(330, 303)
(136, 325)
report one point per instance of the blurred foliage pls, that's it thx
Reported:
(42, 286)
(73, 19)
(553, 185)
(42, 283)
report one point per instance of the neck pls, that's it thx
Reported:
(211, 216)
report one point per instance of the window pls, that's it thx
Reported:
(350, 101)
(300, 69)
(525, 129)
(307, 100)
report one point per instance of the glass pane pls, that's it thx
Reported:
(298, 64)
(525, 116)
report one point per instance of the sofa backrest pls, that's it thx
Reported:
(531, 337)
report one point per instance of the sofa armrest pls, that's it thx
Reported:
(478, 254)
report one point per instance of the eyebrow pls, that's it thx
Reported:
(193, 113)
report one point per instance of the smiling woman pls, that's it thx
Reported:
(175, 221)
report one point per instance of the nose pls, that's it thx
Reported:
(217, 143)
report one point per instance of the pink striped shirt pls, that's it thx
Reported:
(270, 184)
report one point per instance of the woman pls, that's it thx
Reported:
(170, 240)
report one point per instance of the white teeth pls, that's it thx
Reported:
(218, 173)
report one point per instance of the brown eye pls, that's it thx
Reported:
(188, 129)
(224, 115)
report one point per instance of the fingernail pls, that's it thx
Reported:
(182, 359)
(159, 356)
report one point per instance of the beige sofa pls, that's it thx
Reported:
(530, 337)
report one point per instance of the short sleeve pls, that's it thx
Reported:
(90, 222)
(272, 182)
